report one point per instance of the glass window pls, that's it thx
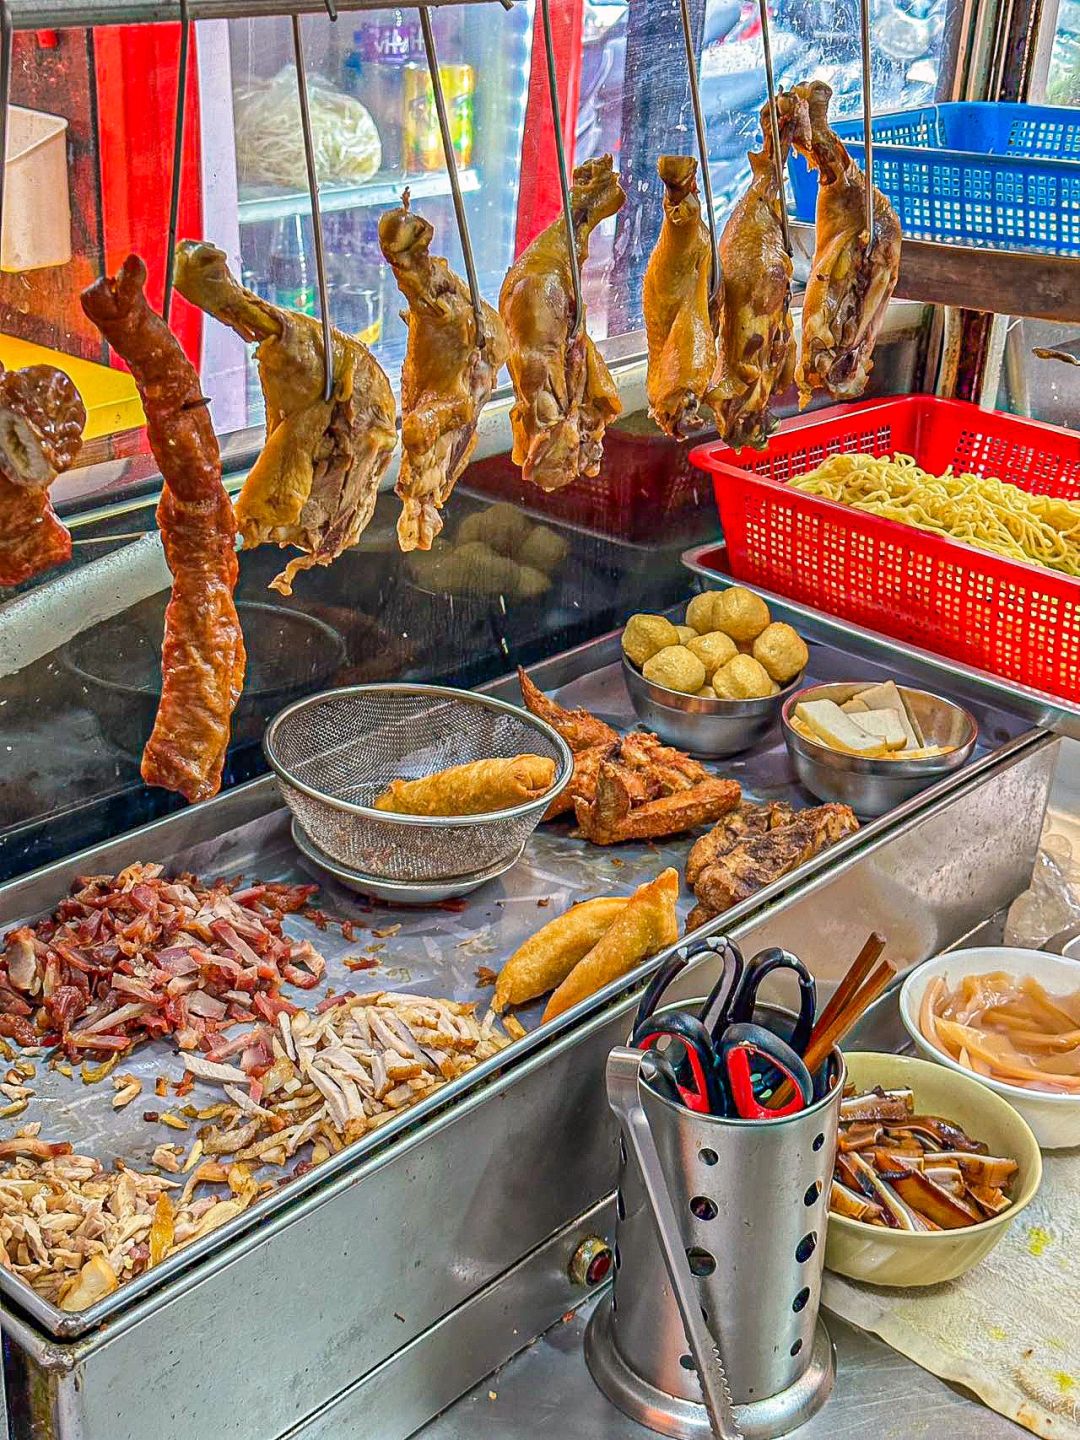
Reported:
(633, 97)
(1063, 77)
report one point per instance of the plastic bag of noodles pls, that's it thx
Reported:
(270, 142)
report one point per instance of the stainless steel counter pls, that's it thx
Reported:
(546, 1393)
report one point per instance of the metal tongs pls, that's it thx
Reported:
(626, 1069)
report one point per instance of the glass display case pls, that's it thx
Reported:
(78, 648)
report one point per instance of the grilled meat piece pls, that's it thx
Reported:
(758, 860)
(446, 379)
(566, 397)
(850, 283)
(202, 653)
(316, 482)
(748, 819)
(757, 340)
(41, 424)
(681, 325)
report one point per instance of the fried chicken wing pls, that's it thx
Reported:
(316, 482)
(41, 424)
(578, 728)
(681, 325)
(202, 654)
(613, 816)
(757, 340)
(630, 787)
(566, 397)
(850, 283)
(446, 379)
(740, 862)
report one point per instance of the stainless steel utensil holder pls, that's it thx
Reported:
(751, 1198)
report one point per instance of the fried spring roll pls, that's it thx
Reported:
(471, 789)
(546, 958)
(648, 924)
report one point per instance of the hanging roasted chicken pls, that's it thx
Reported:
(446, 379)
(202, 654)
(681, 323)
(757, 341)
(316, 482)
(566, 397)
(41, 424)
(851, 282)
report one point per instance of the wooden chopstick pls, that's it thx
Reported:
(823, 1042)
(858, 972)
(864, 983)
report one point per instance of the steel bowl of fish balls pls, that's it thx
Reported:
(713, 685)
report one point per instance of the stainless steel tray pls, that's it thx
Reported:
(949, 677)
(437, 950)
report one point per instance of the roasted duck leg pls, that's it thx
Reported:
(850, 283)
(315, 484)
(202, 655)
(757, 342)
(41, 423)
(680, 325)
(446, 379)
(566, 397)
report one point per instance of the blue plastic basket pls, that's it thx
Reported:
(992, 175)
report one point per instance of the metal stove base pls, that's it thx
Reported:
(670, 1415)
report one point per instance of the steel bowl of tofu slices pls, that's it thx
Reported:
(874, 744)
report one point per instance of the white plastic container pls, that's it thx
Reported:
(37, 207)
(1054, 1119)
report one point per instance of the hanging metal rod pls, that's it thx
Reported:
(5, 97)
(703, 147)
(452, 172)
(316, 215)
(868, 117)
(564, 180)
(177, 159)
(774, 121)
(59, 14)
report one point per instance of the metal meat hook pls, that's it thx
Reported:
(564, 182)
(316, 214)
(452, 172)
(703, 149)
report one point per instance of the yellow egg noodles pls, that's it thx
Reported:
(979, 510)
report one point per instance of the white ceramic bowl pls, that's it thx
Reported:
(1055, 1119)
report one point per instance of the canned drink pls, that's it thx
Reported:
(422, 140)
(459, 84)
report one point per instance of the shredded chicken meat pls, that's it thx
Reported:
(344, 1070)
(130, 957)
(75, 1231)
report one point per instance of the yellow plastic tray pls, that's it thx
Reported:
(110, 397)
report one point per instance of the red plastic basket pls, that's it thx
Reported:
(1016, 620)
(647, 489)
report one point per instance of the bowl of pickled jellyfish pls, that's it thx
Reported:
(1010, 1018)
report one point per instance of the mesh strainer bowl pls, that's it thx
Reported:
(333, 753)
